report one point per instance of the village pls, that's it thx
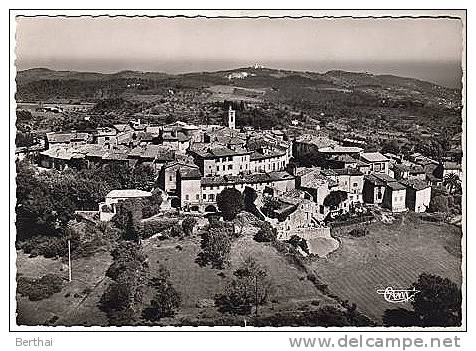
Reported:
(193, 164)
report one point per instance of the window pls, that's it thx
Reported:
(170, 178)
(197, 196)
(187, 197)
(230, 158)
(218, 168)
(355, 185)
(211, 197)
(230, 166)
(204, 196)
(223, 167)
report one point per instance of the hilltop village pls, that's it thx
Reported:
(195, 163)
(148, 199)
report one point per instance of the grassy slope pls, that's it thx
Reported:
(391, 255)
(79, 307)
(195, 283)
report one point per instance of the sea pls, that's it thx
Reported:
(447, 73)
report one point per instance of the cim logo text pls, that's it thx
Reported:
(398, 295)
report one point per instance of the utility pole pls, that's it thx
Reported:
(256, 293)
(69, 258)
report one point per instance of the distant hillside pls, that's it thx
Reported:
(36, 74)
(283, 85)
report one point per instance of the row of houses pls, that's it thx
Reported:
(195, 163)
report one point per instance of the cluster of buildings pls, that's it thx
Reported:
(196, 163)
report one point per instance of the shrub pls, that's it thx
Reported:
(39, 289)
(150, 228)
(296, 241)
(266, 233)
(166, 300)
(188, 224)
(47, 246)
(359, 232)
(116, 297)
(216, 246)
(176, 231)
(439, 203)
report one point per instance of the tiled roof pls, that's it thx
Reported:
(337, 149)
(396, 186)
(380, 179)
(373, 157)
(190, 173)
(348, 171)
(452, 165)
(416, 184)
(58, 137)
(319, 141)
(218, 152)
(246, 179)
(128, 193)
(257, 155)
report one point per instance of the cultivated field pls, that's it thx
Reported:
(391, 255)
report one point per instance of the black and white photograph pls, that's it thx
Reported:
(240, 170)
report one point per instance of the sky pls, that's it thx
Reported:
(176, 45)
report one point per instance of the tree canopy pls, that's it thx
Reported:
(230, 202)
(335, 198)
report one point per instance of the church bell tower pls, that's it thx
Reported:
(231, 117)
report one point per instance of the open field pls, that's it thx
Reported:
(198, 285)
(391, 255)
(76, 304)
(228, 92)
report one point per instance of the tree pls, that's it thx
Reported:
(216, 246)
(230, 202)
(142, 178)
(439, 203)
(296, 241)
(400, 317)
(188, 224)
(166, 299)
(151, 205)
(266, 233)
(271, 203)
(438, 302)
(452, 182)
(127, 219)
(249, 198)
(249, 287)
(44, 203)
(123, 297)
(335, 198)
